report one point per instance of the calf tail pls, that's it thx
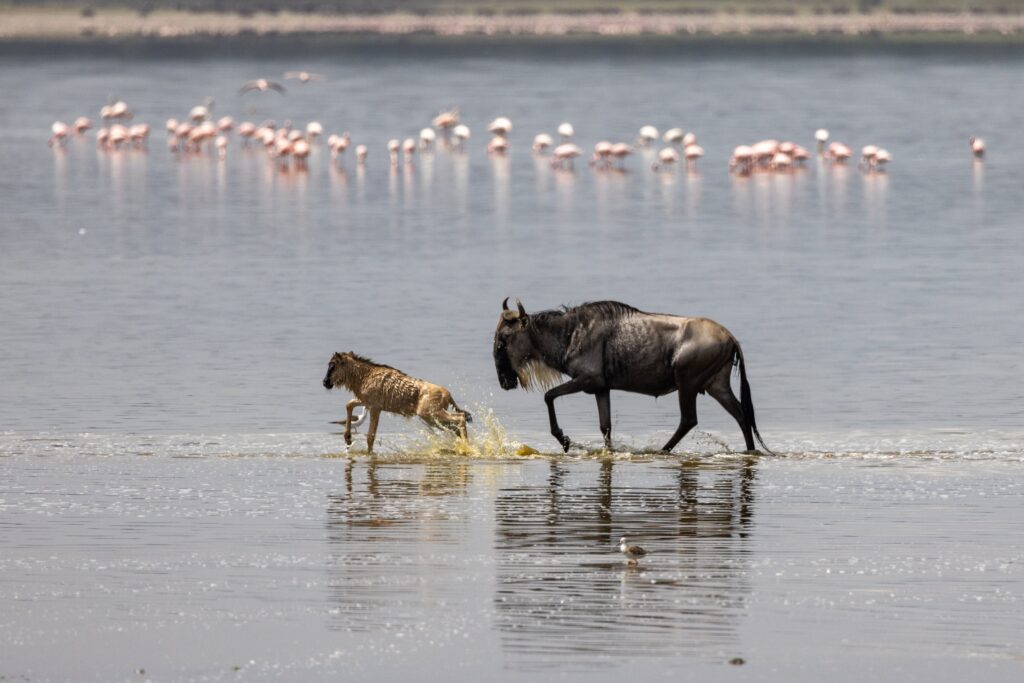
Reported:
(746, 402)
(469, 415)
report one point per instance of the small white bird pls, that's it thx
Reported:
(356, 420)
(633, 553)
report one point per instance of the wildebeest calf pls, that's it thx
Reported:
(383, 388)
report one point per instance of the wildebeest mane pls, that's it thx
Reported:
(599, 309)
(368, 361)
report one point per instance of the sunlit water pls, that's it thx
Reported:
(173, 499)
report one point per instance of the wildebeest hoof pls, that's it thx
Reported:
(564, 440)
(348, 439)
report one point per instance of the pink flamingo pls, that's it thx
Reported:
(977, 147)
(59, 134)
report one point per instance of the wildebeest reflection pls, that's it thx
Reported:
(565, 595)
(608, 345)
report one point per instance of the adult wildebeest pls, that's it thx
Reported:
(382, 387)
(608, 345)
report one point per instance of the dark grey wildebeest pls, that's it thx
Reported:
(608, 345)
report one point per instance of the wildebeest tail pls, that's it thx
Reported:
(746, 402)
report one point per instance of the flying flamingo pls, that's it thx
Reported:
(261, 85)
(303, 76)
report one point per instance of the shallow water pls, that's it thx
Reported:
(173, 499)
(307, 568)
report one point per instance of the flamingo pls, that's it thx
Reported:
(225, 124)
(497, 145)
(303, 76)
(667, 158)
(566, 131)
(261, 85)
(621, 150)
(81, 125)
(393, 147)
(673, 136)
(882, 157)
(648, 134)
(541, 142)
(868, 153)
(102, 137)
(839, 153)
(222, 146)
(742, 160)
(602, 154)
(977, 147)
(172, 125)
(461, 133)
(500, 126)
(563, 155)
(446, 121)
(300, 152)
(409, 148)
(427, 138)
(199, 113)
(138, 134)
(821, 135)
(246, 130)
(59, 134)
(118, 135)
(693, 152)
(361, 154)
(781, 162)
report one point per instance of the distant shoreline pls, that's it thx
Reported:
(70, 29)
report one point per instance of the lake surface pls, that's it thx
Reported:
(173, 498)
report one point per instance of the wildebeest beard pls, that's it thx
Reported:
(536, 374)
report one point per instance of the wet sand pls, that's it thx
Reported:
(63, 25)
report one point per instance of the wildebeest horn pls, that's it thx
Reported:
(504, 304)
(522, 311)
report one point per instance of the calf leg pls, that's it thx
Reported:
(604, 416)
(371, 434)
(721, 391)
(349, 407)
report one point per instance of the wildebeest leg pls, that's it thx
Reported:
(371, 434)
(721, 391)
(571, 387)
(349, 407)
(604, 416)
(687, 419)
